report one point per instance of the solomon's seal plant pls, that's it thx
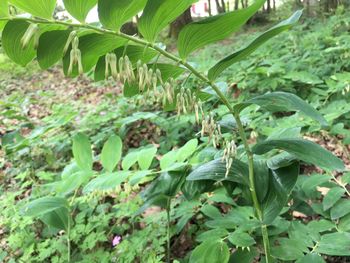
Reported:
(262, 174)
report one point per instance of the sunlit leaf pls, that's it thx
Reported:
(39, 8)
(215, 71)
(158, 14)
(82, 151)
(304, 150)
(113, 14)
(79, 9)
(111, 153)
(215, 28)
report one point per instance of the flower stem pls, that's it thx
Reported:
(168, 230)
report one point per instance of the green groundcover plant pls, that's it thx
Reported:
(260, 176)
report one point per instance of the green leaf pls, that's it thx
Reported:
(344, 224)
(215, 170)
(283, 101)
(105, 182)
(211, 251)
(44, 205)
(241, 239)
(340, 209)
(216, 233)
(72, 182)
(79, 9)
(4, 12)
(244, 255)
(334, 244)
(212, 29)
(82, 151)
(51, 46)
(215, 71)
(332, 197)
(145, 157)
(193, 189)
(111, 153)
(158, 14)
(167, 160)
(166, 184)
(288, 250)
(282, 182)
(158, 200)
(58, 218)
(129, 160)
(11, 43)
(211, 211)
(187, 150)
(261, 178)
(304, 150)
(53, 211)
(113, 14)
(92, 47)
(39, 8)
(311, 258)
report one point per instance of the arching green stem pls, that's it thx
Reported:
(204, 79)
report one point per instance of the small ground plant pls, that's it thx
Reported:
(257, 180)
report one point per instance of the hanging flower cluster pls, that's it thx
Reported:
(229, 154)
(213, 129)
(186, 102)
(75, 53)
(32, 33)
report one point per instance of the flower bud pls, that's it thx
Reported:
(32, 32)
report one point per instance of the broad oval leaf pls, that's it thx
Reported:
(79, 9)
(53, 211)
(51, 46)
(332, 197)
(39, 8)
(340, 209)
(44, 205)
(283, 101)
(187, 150)
(129, 160)
(158, 14)
(58, 218)
(11, 42)
(241, 239)
(215, 71)
(334, 244)
(166, 184)
(311, 258)
(212, 29)
(113, 14)
(145, 157)
(304, 150)
(82, 151)
(216, 170)
(281, 184)
(111, 153)
(211, 251)
(106, 182)
(193, 189)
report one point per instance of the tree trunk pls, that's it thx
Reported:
(179, 23)
(268, 8)
(236, 4)
(220, 7)
(209, 8)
